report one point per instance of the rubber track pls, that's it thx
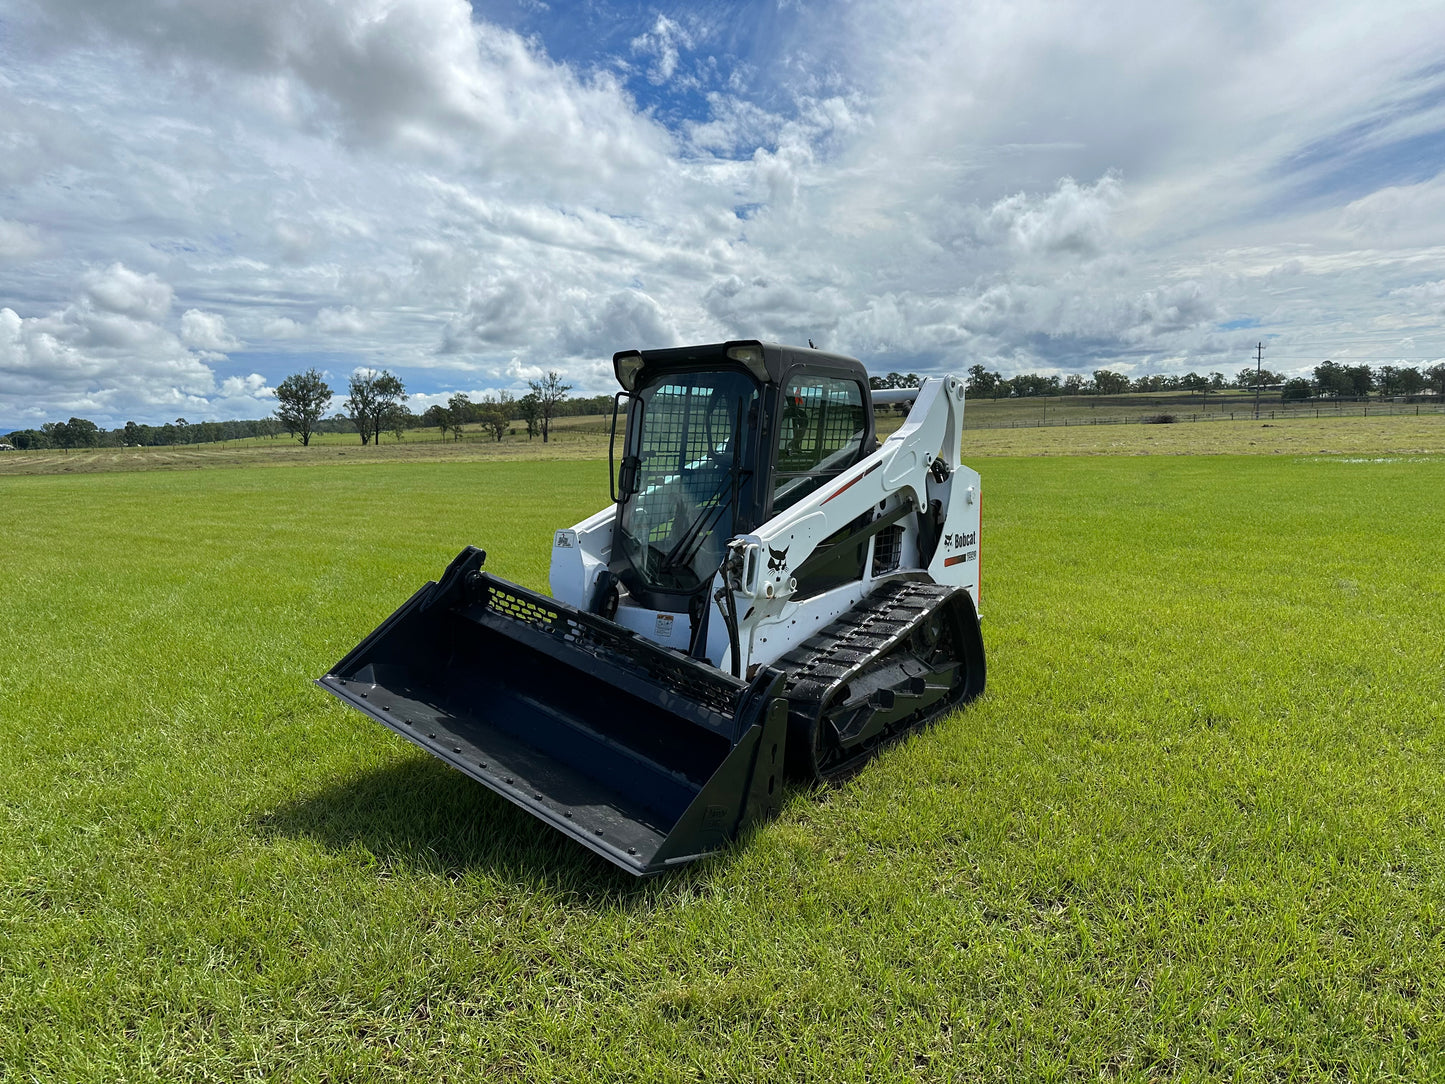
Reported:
(836, 653)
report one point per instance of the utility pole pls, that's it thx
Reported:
(1258, 371)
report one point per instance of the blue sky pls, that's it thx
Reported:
(197, 200)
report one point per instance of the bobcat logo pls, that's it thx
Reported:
(777, 559)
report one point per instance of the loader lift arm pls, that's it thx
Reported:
(910, 649)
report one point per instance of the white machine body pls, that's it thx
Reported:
(917, 465)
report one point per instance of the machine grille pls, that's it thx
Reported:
(614, 646)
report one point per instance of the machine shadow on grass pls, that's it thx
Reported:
(420, 814)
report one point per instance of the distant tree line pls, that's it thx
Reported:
(1334, 381)
(495, 413)
(84, 433)
(894, 380)
(376, 403)
(1330, 381)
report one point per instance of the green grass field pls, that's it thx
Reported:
(1193, 830)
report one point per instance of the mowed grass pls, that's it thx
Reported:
(1192, 831)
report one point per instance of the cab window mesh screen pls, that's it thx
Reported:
(685, 447)
(820, 434)
(673, 530)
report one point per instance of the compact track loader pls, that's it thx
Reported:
(771, 595)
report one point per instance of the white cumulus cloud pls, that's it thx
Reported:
(206, 331)
(347, 320)
(124, 292)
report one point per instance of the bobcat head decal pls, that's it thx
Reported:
(777, 559)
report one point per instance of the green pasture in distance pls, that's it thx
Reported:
(1193, 829)
(584, 437)
(1298, 432)
(986, 412)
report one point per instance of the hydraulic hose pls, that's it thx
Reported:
(728, 606)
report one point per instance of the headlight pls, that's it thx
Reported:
(751, 355)
(627, 364)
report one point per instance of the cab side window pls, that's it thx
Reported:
(820, 434)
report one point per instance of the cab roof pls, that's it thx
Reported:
(777, 359)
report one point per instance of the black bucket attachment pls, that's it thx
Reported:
(645, 756)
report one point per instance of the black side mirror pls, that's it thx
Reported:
(623, 482)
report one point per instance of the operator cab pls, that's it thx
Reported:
(719, 439)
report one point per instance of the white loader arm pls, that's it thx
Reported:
(918, 463)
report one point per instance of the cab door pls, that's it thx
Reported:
(824, 426)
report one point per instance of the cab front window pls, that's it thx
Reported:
(687, 436)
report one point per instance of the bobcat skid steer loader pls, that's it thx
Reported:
(771, 595)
